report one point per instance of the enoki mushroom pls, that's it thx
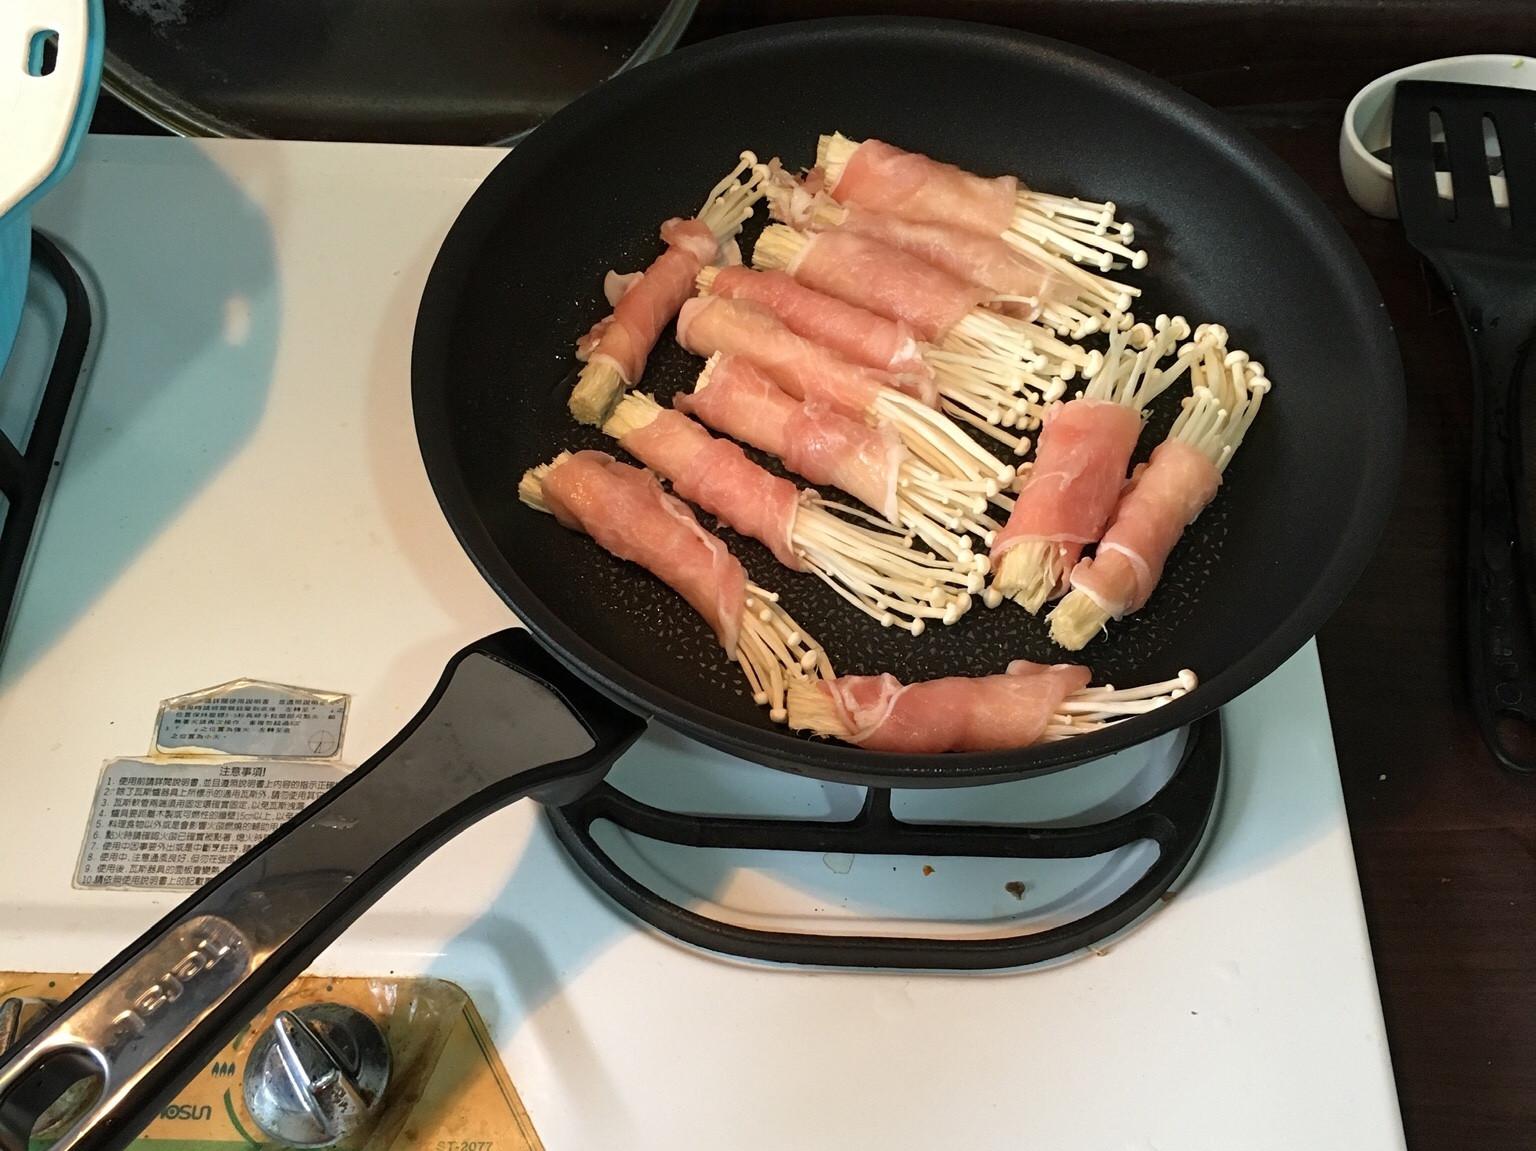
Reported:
(1227, 389)
(993, 371)
(772, 649)
(727, 207)
(1063, 233)
(1033, 570)
(940, 511)
(812, 711)
(875, 569)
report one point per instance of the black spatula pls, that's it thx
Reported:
(1487, 257)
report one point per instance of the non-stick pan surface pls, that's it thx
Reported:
(1233, 236)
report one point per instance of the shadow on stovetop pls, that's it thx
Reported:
(185, 333)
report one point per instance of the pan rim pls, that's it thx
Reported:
(778, 748)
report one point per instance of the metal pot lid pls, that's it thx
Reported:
(405, 71)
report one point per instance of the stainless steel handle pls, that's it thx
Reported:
(505, 721)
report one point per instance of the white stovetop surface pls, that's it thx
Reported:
(243, 496)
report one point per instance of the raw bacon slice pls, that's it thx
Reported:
(813, 440)
(857, 335)
(716, 475)
(957, 713)
(627, 513)
(1055, 227)
(807, 371)
(615, 350)
(875, 569)
(1164, 498)
(1080, 465)
(1079, 469)
(625, 338)
(985, 261)
(868, 274)
(884, 178)
(1168, 492)
(1060, 232)
(710, 324)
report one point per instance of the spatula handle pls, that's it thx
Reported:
(1501, 647)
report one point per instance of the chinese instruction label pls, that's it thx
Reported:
(248, 717)
(174, 826)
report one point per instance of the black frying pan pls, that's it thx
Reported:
(1234, 237)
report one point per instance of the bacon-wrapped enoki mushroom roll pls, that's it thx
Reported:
(990, 368)
(1166, 493)
(626, 512)
(1016, 283)
(808, 371)
(874, 569)
(1029, 703)
(615, 350)
(988, 394)
(1059, 231)
(1079, 469)
(857, 335)
(867, 461)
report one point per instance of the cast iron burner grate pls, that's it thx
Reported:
(25, 471)
(1174, 819)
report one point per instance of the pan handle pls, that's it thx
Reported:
(505, 721)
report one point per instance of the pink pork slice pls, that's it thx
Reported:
(718, 476)
(885, 280)
(983, 260)
(885, 178)
(1168, 492)
(1078, 473)
(857, 335)
(957, 713)
(813, 440)
(627, 513)
(806, 370)
(625, 338)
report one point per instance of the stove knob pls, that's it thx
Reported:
(18, 1016)
(317, 1075)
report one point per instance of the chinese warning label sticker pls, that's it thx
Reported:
(249, 717)
(174, 826)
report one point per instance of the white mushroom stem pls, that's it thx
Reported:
(938, 509)
(1100, 241)
(729, 203)
(773, 650)
(875, 569)
(727, 207)
(935, 439)
(1034, 570)
(1029, 573)
(811, 709)
(1059, 232)
(598, 388)
(1129, 373)
(1227, 389)
(988, 362)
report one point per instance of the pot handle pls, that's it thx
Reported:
(47, 113)
(506, 721)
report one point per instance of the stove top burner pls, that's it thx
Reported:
(1174, 819)
(25, 471)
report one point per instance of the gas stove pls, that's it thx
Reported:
(243, 498)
